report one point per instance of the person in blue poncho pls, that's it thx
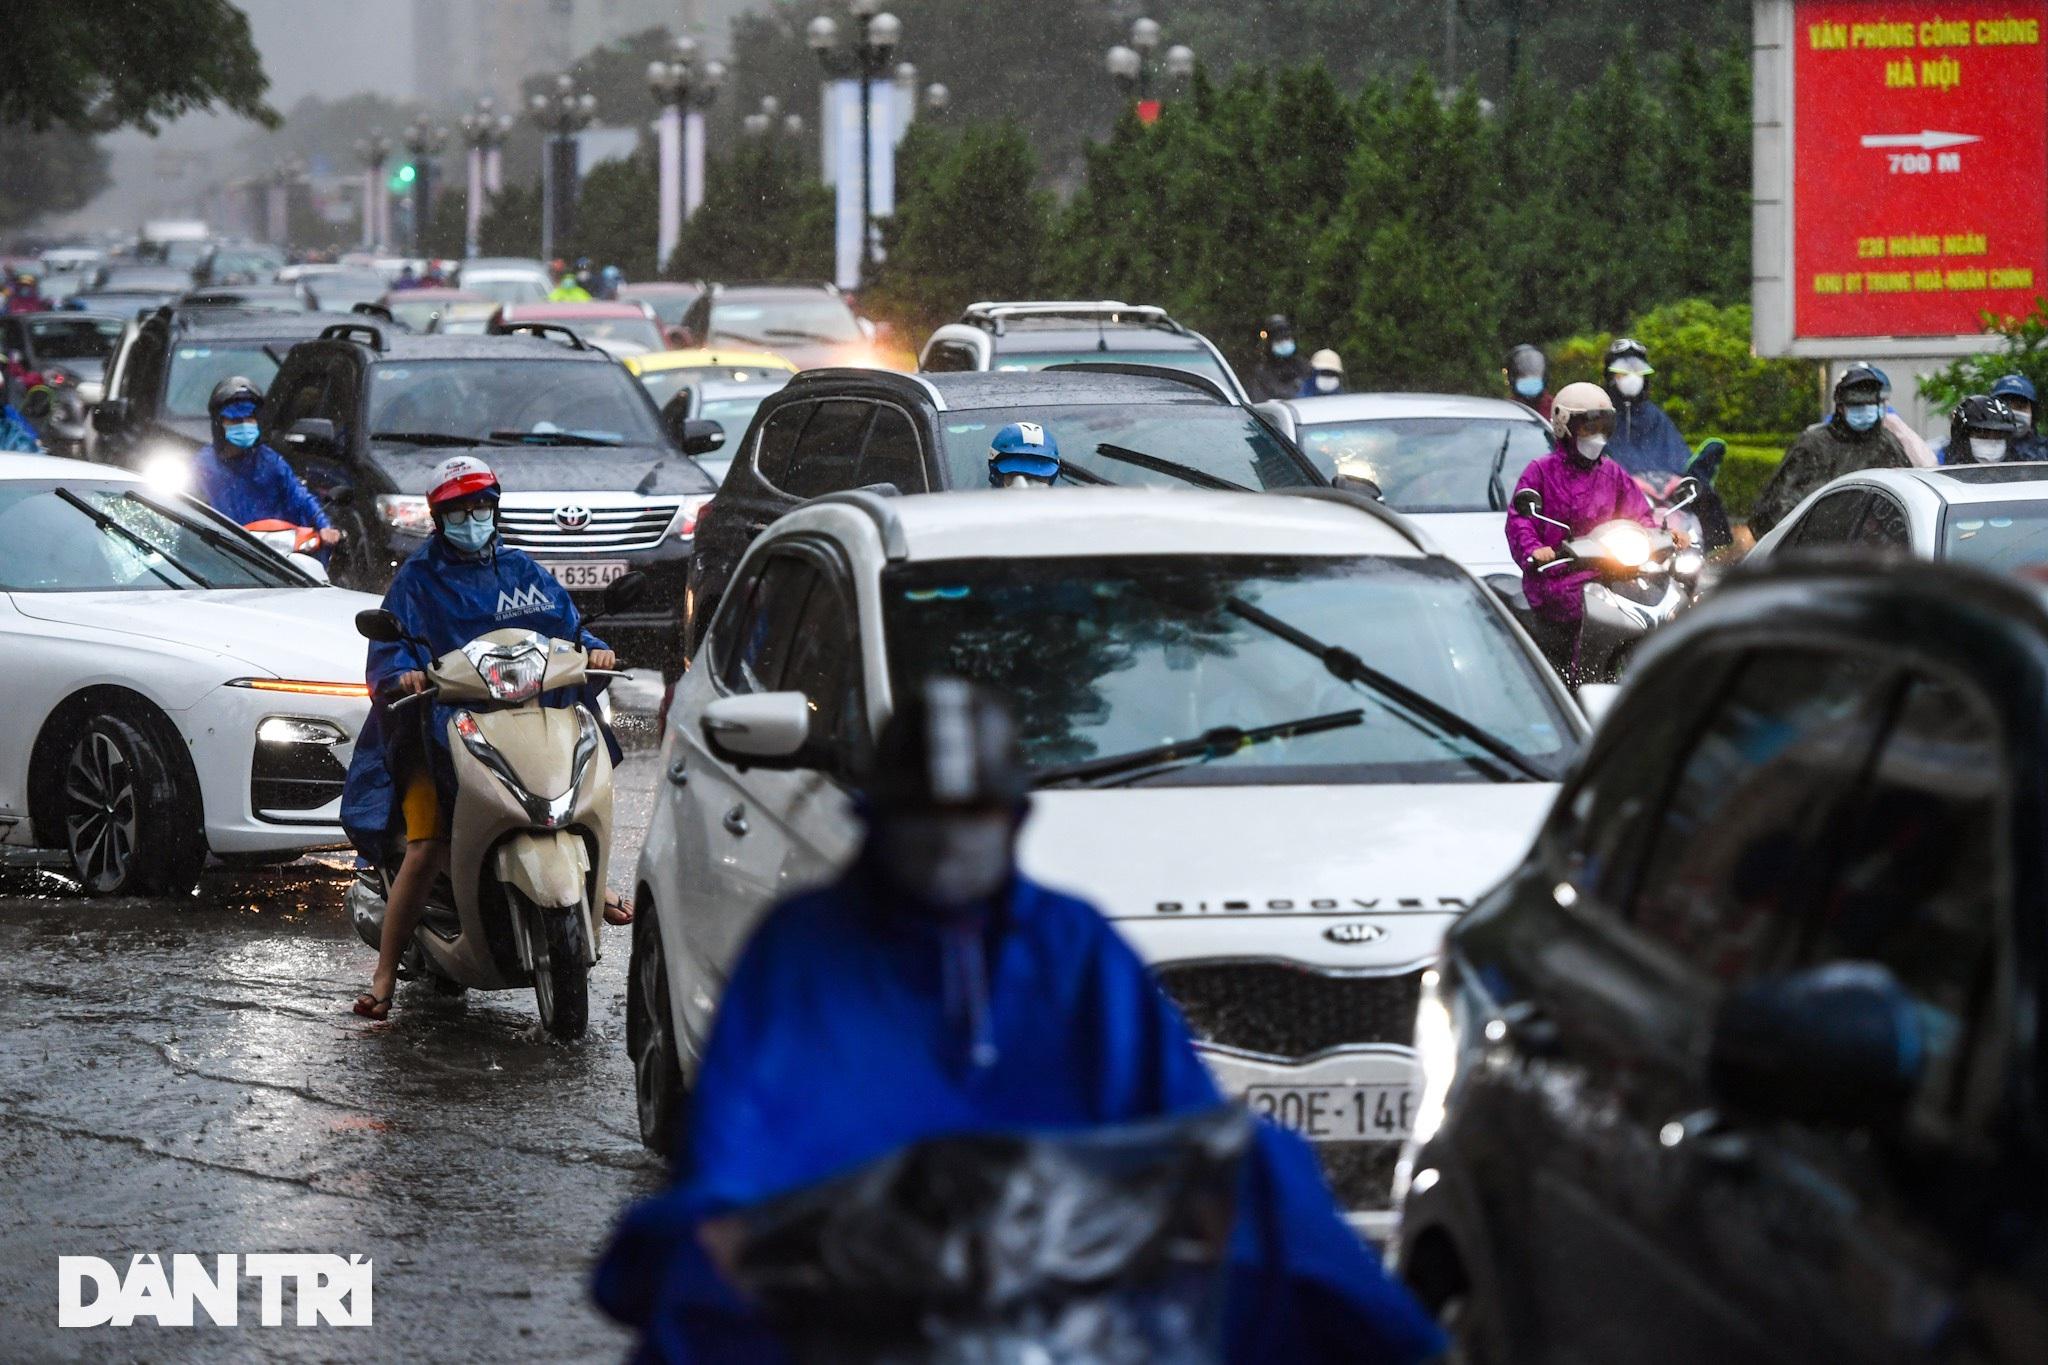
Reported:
(461, 584)
(244, 479)
(934, 990)
(1646, 440)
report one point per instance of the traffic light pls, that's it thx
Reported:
(402, 178)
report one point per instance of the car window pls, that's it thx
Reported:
(824, 665)
(763, 630)
(198, 365)
(1218, 439)
(1744, 837)
(143, 383)
(778, 441)
(1884, 525)
(541, 404)
(1919, 882)
(949, 357)
(826, 453)
(1830, 520)
(891, 453)
(304, 393)
(1997, 536)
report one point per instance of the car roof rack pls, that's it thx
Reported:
(1360, 502)
(876, 506)
(543, 330)
(1185, 378)
(343, 331)
(995, 314)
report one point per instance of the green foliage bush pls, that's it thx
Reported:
(1707, 378)
(2023, 350)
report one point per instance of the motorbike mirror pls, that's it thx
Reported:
(626, 592)
(379, 625)
(1529, 502)
(1687, 492)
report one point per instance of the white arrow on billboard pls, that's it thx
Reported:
(1928, 141)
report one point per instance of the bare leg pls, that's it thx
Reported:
(425, 859)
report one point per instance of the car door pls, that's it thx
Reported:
(1692, 890)
(747, 502)
(1830, 521)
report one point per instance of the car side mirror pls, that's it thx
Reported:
(759, 729)
(311, 434)
(700, 435)
(1841, 1044)
(1358, 483)
(110, 416)
(378, 625)
(626, 592)
(1597, 699)
(1529, 502)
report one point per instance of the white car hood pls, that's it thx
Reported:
(304, 633)
(1279, 872)
(1476, 540)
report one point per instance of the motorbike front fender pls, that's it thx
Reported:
(551, 869)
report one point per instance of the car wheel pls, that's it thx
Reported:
(131, 827)
(650, 1035)
(1463, 1321)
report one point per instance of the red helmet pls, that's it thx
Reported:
(461, 476)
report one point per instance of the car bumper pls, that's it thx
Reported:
(258, 794)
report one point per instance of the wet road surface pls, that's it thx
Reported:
(188, 1078)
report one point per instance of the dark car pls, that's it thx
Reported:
(593, 484)
(237, 263)
(155, 403)
(146, 277)
(62, 352)
(1033, 335)
(829, 430)
(808, 324)
(250, 298)
(1744, 1062)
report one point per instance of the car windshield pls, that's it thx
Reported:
(197, 366)
(764, 322)
(1106, 656)
(1999, 536)
(541, 401)
(339, 292)
(57, 337)
(669, 307)
(641, 331)
(1223, 442)
(1430, 464)
(110, 537)
(1194, 362)
(507, 288)
(735, 414)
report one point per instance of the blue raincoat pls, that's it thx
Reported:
(17, 437)
(853, 1027)
(1646, 440)
(446, 599)
(257, 486)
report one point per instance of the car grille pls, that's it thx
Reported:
(1277, 1010)
(1361, 1174)
(636, 525)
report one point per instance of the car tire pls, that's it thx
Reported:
(561, 976)
(130, 822)
(650, 1035)
(1462, 1318)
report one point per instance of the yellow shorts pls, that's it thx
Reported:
(422, 809)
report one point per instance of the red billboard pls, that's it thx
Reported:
(1920, 165)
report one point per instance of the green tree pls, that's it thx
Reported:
(1707, 378)
(511, 222)
(615, 217)
(762, 218)
(47, 173)
(97, 67)
(2022, 349)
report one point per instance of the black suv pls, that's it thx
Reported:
(163, 375)
(1744, 1062)
(593, 483)
(830, 430)
(1033, 335)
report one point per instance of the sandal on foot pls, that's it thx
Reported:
(373, 1006)
(616, 911)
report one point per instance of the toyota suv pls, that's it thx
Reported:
(594, 485)
(1031, 336)
(1277, 740)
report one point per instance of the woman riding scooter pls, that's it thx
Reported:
(1581, 488)
(461, 584)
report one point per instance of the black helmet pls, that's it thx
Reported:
(951, 744)
(1276, 325)
(1864, 377)
(233, 389)
(1981, 415)
(1524, 360)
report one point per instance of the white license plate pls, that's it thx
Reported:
(594, 573)
(1337, 1113)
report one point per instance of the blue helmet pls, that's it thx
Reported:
(2015, 386)
(1023, 450)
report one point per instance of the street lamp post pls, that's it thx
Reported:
(483, 129)
(1133, 65)
(683, 88)
(874, 44)
(424, 141)
(561, 116)
(937, 98)
(373, 151)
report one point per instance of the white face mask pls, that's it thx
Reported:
(1591, 448)
(1628, 385)
(1988, 449)
(1327, 383)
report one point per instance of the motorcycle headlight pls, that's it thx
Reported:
(167, 471)
(512, 675)
(1627, 546)
(405, 512)
(1688, 563)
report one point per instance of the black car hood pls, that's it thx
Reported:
(552, 469)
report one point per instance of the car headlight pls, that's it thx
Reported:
(684, 524)
(406, 512)
(299, 730)
(1436, 1054)
(1627, 546)
(168, 470)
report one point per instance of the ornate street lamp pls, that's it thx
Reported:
(373, 151)
(483, 131)
(1133, 65)
(874, 42)
(684, 88)
(560, 115)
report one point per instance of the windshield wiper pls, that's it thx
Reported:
(212, 535)
(432, 438)
(107, 523)
(1421, 712)
(1220, 742)
(1087, 476)
(551, 438)
(1173, 469)
(1494, 501)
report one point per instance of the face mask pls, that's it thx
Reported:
(1283, 348)
(1529, 385)
(946, 860)
(471, 536)
(1862, 416)
(1628, 385)
(1591, 448)
(1328, 383)
(2025, 414)
(241, 435)
(1988, 449)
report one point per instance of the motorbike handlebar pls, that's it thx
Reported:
(426, 693)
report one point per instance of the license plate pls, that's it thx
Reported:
(1337, 1113)
(594, 573)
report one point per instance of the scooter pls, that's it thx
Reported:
(530, 842)
(1644, 581)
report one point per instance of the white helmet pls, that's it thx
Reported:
(1328, 362)
(1576, 400)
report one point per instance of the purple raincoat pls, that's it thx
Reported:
(1582, 498)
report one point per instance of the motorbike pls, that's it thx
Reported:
(530, 842)
(1105, 1247)
(1643, 581)
(1705, 522)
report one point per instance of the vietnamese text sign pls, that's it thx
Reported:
(1920, 177)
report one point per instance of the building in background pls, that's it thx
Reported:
(466, 48)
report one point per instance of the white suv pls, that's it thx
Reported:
(1283, 833)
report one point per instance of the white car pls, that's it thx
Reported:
(1448, 463)
(174, 689)
(1288, 885)
(1992, 516)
